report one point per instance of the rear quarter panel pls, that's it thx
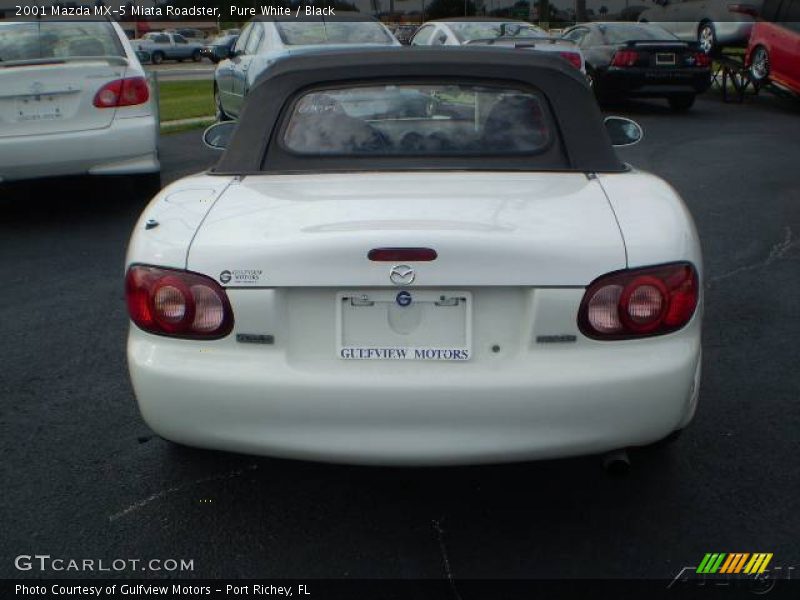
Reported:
(655, 223)
(178, 210)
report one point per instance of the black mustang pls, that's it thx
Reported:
(641, 60)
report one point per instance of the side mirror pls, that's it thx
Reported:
(219, 135)
(623, 132)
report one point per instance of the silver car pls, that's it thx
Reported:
(712, 23)
(264, 40)
(485, 31)
(74, 100)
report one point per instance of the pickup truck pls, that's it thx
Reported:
(168, 46)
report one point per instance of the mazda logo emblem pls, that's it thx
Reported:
(402, 275)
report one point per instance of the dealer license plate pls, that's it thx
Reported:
(404, 325)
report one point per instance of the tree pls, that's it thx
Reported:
(580, 11)
(442, 9)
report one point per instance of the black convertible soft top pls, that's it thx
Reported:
(583, 142)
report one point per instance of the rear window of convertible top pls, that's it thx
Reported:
(418, 120)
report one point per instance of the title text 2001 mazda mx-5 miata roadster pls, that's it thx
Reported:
(417, 256)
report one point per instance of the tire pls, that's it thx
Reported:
(759, 64)
(221, 115)
(196, 56)
(157, 58)
(707, 37)
(681, 103)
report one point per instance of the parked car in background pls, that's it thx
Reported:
(711, 23)
(773, 53)
(492, 285)
(168, 46)
(641, 60)
(74, 100)
(263, 40)
(476, 31)
(193, 35)
(219, 48)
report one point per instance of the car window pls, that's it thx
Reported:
(57, 39)
(179, 39)
(576, 35)
(440, 39)
(418, 120)
(625, 32)
(254, 40)
(476, 30)
(336, 32)
(161, 39)
(242, 41)
(423, 35)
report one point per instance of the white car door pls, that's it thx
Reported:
(240, 65)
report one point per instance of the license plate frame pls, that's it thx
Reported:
(666, 59)
(39, 107)
(377, 321)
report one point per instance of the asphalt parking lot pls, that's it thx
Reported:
(85, 477)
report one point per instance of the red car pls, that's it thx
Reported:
(774, 50)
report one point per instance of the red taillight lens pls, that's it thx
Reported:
(625, 58)
(701, 59)
(402, 254)
(639, 302)
(177, 303)
(123, 92)
(572, 57)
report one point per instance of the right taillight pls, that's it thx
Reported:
(639, 302)
(131, 91)
(701, 59)
(177, 303)
(625, 58)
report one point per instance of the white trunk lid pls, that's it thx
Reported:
(489, 229)
(54, 97)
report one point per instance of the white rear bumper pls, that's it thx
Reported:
(128, 146)
(545, 403)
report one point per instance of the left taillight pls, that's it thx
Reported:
(639, 302)
(571, 57)
(625, 58)
(131, 91)
(177, 303)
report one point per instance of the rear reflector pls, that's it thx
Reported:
(177, 303)
(402, 254)
(572, 57)
(639, 302)
(123, 92)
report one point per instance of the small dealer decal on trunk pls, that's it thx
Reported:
(241, 277)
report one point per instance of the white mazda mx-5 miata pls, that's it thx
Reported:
(417, 256)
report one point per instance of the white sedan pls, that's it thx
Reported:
(365, 277)
(74, 100)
